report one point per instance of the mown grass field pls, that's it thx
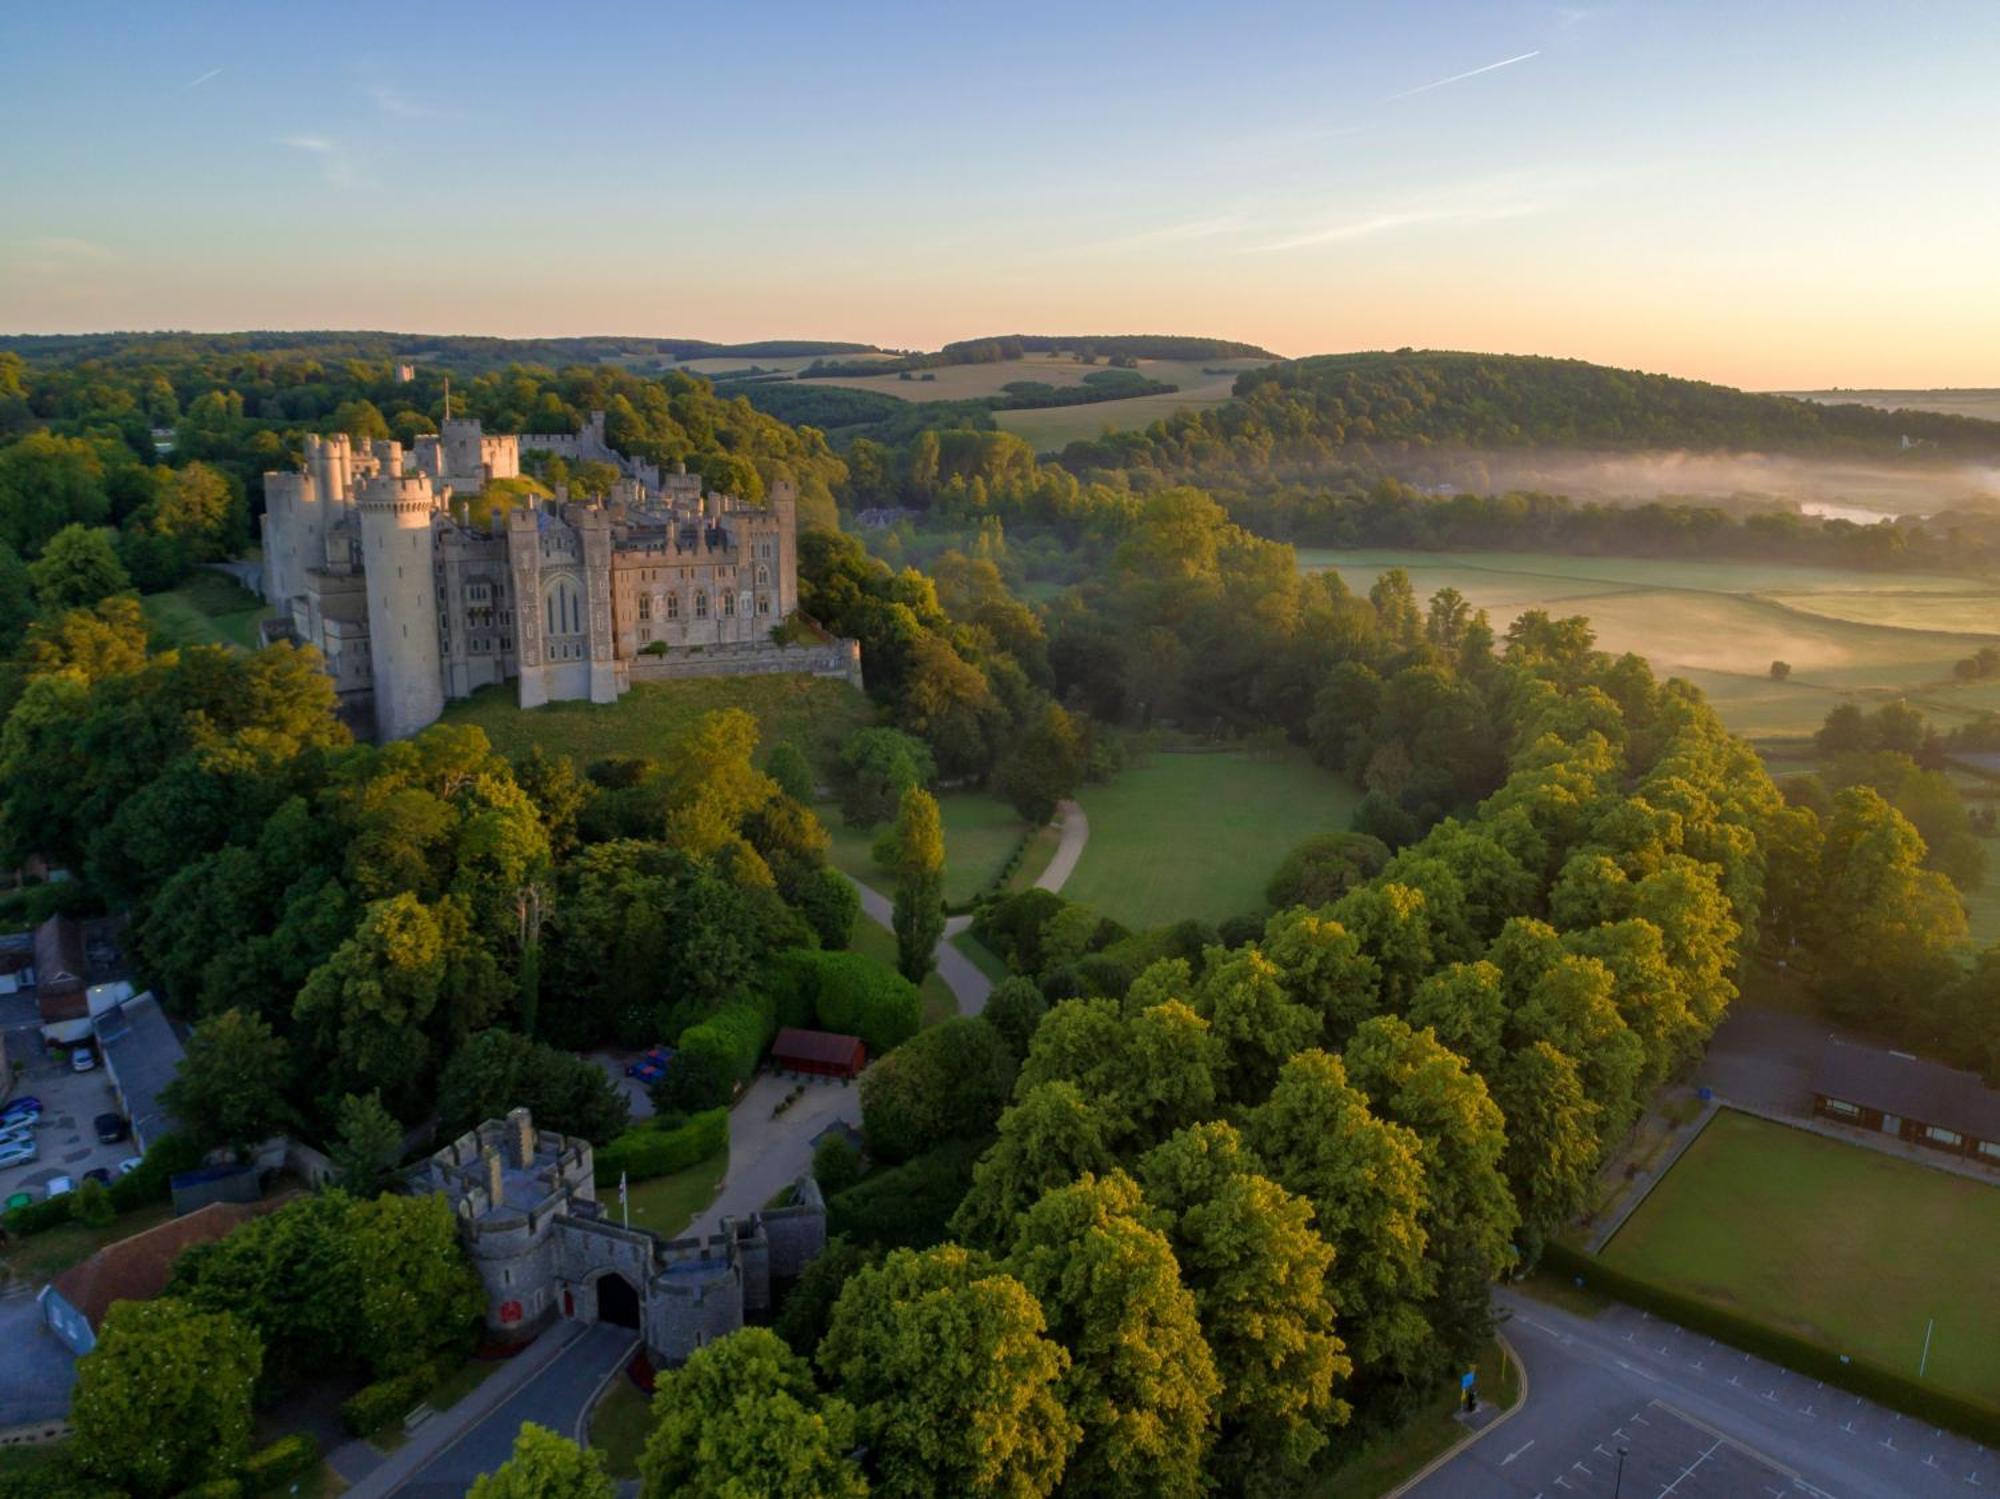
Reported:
(1849, 635)
(1200, 834)
(1850, 1247)
(813, 712)
(208, 609)
(980, 831)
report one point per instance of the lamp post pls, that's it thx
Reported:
(1618, 1485)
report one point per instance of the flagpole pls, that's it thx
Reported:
(624, 1202)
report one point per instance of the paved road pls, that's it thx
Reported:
(961, 975)
(1697, 1420)
(555, 1396)
(766, 1154)
(1075, 834)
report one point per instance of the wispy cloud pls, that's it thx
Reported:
(53, 256)
(335, 163)
(209, 77)
(1425, 88)
(1212, 227)
(395, 102)
(1513, 195)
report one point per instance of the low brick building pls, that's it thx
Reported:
(74, 1304)
(1896, 1093)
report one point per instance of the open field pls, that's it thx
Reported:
(1849, 635)
(980, 831)
(1200, 834)
(208, 609)
(1852, 1248)
(1983, 404)
(813, 712)
(790, 364)
(1051, 427)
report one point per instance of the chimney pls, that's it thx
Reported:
(495, 1178)
(521, 1130)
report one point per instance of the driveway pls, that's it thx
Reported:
(551, 1386)
(767, 1155)
(1695, 1419)
(70, 1100)
(1075, 834)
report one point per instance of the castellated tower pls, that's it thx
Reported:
(398, 554)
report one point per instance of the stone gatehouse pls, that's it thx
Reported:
(527, 1211)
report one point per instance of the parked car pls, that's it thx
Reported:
(98, 1174)
(29, 1107)
(653, 1061)
(19, 1200)
(18, 1152)
(14, 1134)
(130, 1164)
(111, 1128)
(83, 1059)
(59, 1186)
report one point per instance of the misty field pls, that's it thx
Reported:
(1849, 635)
(1982, 404)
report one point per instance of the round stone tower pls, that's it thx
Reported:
(398, 556)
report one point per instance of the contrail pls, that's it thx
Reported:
(197, 83)
(1425, 88)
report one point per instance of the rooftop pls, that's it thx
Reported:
(143, 1053)
(137, 1269)
(1895, 1082)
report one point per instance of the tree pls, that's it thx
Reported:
(546, 1466)
(1317, 1136)
(500, 1070)
(91, 1205)
(1781, 671)
(945, 1083)
(1887, 924)
(694, 1080)
(1014, 1008)
(919, 913)
(106, 640)
(78, 567)
(1325, 867)
(365, 1011)
(368, 1145)
(1247, 1251)
(47, 483)
(789, 767)
(419, 1293)
(163, 1401)
(1259, 1025)
(1043, 768)
(878, 767)
(230, 1089)
(1049, 1137)
(742, 1417)
(1552, 1140)
(1141, 1382)
(945, 1359)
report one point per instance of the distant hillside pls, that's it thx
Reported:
(1110, 347)
(450, 351)
(1974, 401)
(1314, 408)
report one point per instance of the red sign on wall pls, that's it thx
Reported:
(510, 1312)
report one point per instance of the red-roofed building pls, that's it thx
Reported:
(822, 1053)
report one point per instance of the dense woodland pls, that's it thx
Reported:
(1184, 1210)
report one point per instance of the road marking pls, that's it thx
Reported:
(1772, 1393)
(1583, 1470)
(1690, 1468)
(1885, 1442)
(1560, 1484)
(1635, 1369)
(1807, 1409)
(1517, 1452)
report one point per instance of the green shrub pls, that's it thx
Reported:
(376, 1407)
(149, 1182)
(215, 1488)
(947, 1083)
(289, 1458)
(908, 1205)
(836, 1164)
(733, 1038)
(855, 995)
(657, 1148)
(1858, 1376)
(38, 1217)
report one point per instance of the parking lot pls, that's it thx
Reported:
(70, 1102)
(1664, 1452)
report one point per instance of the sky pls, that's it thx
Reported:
(1774, 195)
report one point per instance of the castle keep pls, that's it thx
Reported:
(530, 1221)
(415, 591)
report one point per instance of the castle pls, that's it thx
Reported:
(415, 589)
(528, 1217)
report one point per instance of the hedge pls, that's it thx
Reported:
(1854, 1374)
(656, 1148)
(147, 1183)
(378, 1406)
(288, 1458)
(215, 1488)
(734, 1037)
(855, 995)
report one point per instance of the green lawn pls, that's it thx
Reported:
(619, 1425)
(983, 957)
(1841, 1244)
(1200, 834)
(879, 942)
(208, 609)
(816, 713)
(1385, 1461)
(668, 1204)
(980, 832)
(36, 1257)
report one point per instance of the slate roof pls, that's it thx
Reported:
(60, 971)
(1894, 1082)
(143, 1054)
(824, 1047)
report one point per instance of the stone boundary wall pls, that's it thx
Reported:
(841, 659)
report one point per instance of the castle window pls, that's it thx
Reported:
(763, 577)
(645, 606)
(763, 604)
(701, 603)
(729, 603)
(673, 606)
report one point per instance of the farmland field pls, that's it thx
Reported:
(1848, 635)
(1854, 1249)
(1200, 834)
(1983, 404)
(813, 712)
